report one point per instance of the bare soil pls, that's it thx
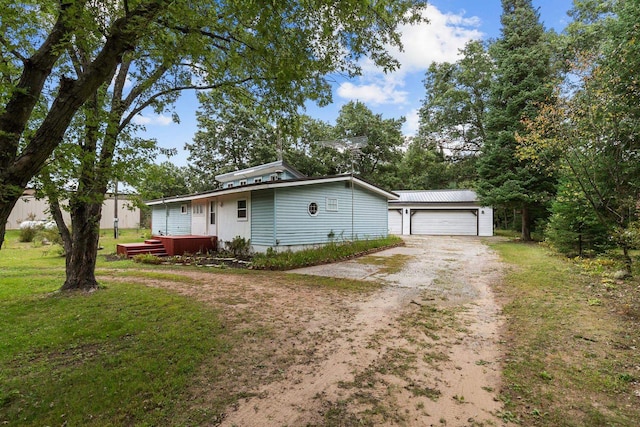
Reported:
(421, 349)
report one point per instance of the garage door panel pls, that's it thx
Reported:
(445, 222)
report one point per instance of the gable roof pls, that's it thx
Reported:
(260, 170)
(277, 184)
(436, 196)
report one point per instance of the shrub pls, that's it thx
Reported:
(330, 252)
(51, 235)
(574, 228)
(27, 234)
(147, 259)
(239, 246)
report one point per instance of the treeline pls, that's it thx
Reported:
(544, 126)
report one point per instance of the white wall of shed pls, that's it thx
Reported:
(128, 215)
(485, 221)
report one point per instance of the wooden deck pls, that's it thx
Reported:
(169, 246)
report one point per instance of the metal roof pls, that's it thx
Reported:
(436, 196)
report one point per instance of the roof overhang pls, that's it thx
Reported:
(276, 184)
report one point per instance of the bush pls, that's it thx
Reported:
(51, 235)
(330, 252)
(147, 259)
(239, 247)
(27, 234)
(573, 227)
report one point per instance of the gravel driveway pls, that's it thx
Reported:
(422, 351)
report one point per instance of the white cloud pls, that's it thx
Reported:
(159, 120)
(436, 41)
(412, 124)
(381, 89)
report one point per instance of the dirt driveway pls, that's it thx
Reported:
(453, 362)
(421, 350)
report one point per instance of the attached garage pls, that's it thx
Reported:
(439, 212)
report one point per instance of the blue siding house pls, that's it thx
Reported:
(275, 206)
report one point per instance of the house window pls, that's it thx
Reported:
(198, 209)
(184, 209)
(313, 209)
(212, 213)
(242, 209)
(257, 180)
(332, 205)
(230, 185)
(273, 177)
(243, 182)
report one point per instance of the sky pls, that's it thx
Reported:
(452, 23)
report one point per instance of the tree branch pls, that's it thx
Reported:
(125, 122)
(14, 52)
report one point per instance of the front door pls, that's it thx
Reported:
(212, 230)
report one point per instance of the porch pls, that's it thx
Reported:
(169, 246)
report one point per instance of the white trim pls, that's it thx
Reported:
(331, 204)
(246, 210)
(317, 208)
(278, 184)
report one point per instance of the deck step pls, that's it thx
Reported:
(153, 247)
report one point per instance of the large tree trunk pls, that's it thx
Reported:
(526, 224)
(81, 259)
(17, 169)
(5, 211)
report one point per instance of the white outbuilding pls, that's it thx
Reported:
(439, 212)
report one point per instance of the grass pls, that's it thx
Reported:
(322, 255)
(569, 362)
(119, 356)
(126, 354)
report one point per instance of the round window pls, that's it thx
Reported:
(313, 209)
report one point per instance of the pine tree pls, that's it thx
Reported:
(523, 80)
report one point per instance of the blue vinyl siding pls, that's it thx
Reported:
(171, 216)
(262, 218)
(294, 225)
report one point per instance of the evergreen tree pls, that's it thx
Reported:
(523, 79)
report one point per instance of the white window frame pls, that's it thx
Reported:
(198, 209)
(184, 209)
(257, 180)
(245, 210)
(243, 182)
(212, 213)
(331, 204)
(230, 185)
(313, 206)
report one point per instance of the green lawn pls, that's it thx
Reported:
(571, 341)
(120, 356)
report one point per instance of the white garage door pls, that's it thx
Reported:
(395, 221)
(445, 222)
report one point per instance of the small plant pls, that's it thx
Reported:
(239, 246)
(27, 234)
(147, 259)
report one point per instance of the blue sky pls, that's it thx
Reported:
(394, 95)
